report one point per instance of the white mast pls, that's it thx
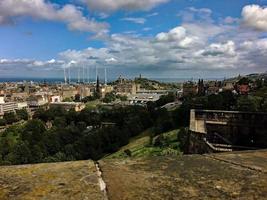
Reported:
(78, 74)
(83, 72)
(105, 76)
(96, 73)
(69, 75)
(88, 74)
(65, 77)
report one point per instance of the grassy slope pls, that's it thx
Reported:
(139, 146)
(92, 104)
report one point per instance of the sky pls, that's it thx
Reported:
(155, 38)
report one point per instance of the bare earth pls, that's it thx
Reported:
(239, 175)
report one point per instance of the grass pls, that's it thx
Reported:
(140, 146)
(92, 104)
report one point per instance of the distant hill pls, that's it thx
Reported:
(252, 77)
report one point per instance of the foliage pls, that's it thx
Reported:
(2, 122)
(249, 103)
(109, 97)
(89, 98)
(22, 114)
(71, 137)
(10, 117)
(122, 97)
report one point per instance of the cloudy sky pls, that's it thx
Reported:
(158, 38)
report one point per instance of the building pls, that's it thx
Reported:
(213, 87)
(228, 85)
(243, 89)
(106, 89)
(36, 101)
(142, 98)
(125, 87)
(69, 92)
(55, 99)
(6, 107)
(189, 89)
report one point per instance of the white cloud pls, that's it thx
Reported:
(177, 33)
(216, 49)
(114, 5)
(137, 20)
(191, 47)
(255, 17)
(152, 14)
(230, 20)
(43, 10)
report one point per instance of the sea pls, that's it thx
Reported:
(60, 80)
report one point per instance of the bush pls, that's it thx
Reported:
(2, 122)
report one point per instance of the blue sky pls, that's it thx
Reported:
(158, 38)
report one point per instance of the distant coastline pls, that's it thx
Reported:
(60, 80)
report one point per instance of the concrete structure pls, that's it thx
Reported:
(55, 99)
(219, 130)
(227, 176)
(143, 98)
(8, 107)
(37, 100)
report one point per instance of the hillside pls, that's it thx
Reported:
(140, 146)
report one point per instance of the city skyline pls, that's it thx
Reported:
(157, 38)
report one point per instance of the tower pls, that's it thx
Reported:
(96, 74)
(97, 89)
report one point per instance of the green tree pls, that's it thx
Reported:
(109, 97)
(22, 114)
(2, 122)
(10, 117)
(33, 132)
(21, 154)
(248, 103)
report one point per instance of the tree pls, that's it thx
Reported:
(122, 97)
(243, 81)
(109, 97)
(22, 114)
(33, 132)
(182, 137)
(2, 122)
(77, 98)
(21, 154)
(248, 103)
(10, 117)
